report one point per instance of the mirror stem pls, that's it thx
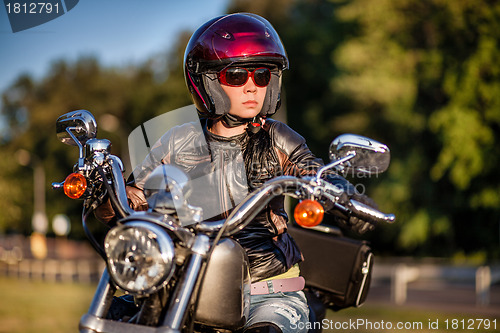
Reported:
(80, 147)
(334, 164)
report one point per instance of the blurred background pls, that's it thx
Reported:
(421, 76)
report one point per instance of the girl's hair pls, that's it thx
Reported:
(259, 158)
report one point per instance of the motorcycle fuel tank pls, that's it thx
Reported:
(224, 297)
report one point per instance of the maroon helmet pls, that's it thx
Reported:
(242, 38)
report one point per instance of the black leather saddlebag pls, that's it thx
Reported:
(336, 268)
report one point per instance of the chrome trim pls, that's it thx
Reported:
(103, 296)
(97, 146)
(184, 235)
(119, 185)
(209, 227)
(167, 250)
(246, 210)
(334, 164)
(185, 288)
(372, 157)
(327, 229)
(81, 161)
(93, 324)
(82, 121)
(372, 212)
(365, 270)
(57, 186)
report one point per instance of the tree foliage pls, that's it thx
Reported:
(120, 99)
(420, 76)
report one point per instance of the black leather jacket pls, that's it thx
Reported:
(271, 250)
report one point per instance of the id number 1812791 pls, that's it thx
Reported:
(32, 8)
(470, 324)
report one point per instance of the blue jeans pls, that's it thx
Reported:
(289, 311)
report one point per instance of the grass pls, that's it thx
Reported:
(386, 318)
(28, 306)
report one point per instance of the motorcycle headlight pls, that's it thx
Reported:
(140, 257)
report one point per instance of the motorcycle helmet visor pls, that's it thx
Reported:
(238, 76)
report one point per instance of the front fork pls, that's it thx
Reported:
(94, 320)
(100, 305)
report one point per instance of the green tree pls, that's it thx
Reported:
(120, 99)
(421, 77)
(428, 70)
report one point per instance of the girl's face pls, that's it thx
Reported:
(246, 100)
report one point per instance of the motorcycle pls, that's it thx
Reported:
(177, 269)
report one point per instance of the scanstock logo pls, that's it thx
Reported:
(26, 14)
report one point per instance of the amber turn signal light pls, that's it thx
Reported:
(309, 213)
(75, 185)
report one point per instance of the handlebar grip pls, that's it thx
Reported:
(369, 214)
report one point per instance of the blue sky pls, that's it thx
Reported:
(117, 32)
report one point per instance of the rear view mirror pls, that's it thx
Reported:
(75, 128)
(370, 156)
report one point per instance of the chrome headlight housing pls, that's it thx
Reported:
(140, 257)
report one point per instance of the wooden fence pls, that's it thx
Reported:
(402, 275)
(78, 270)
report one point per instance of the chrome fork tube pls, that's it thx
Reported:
(183, 293)
(102, 297)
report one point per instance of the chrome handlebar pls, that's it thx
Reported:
(245, 211)
(119, 186)
(369, 214)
